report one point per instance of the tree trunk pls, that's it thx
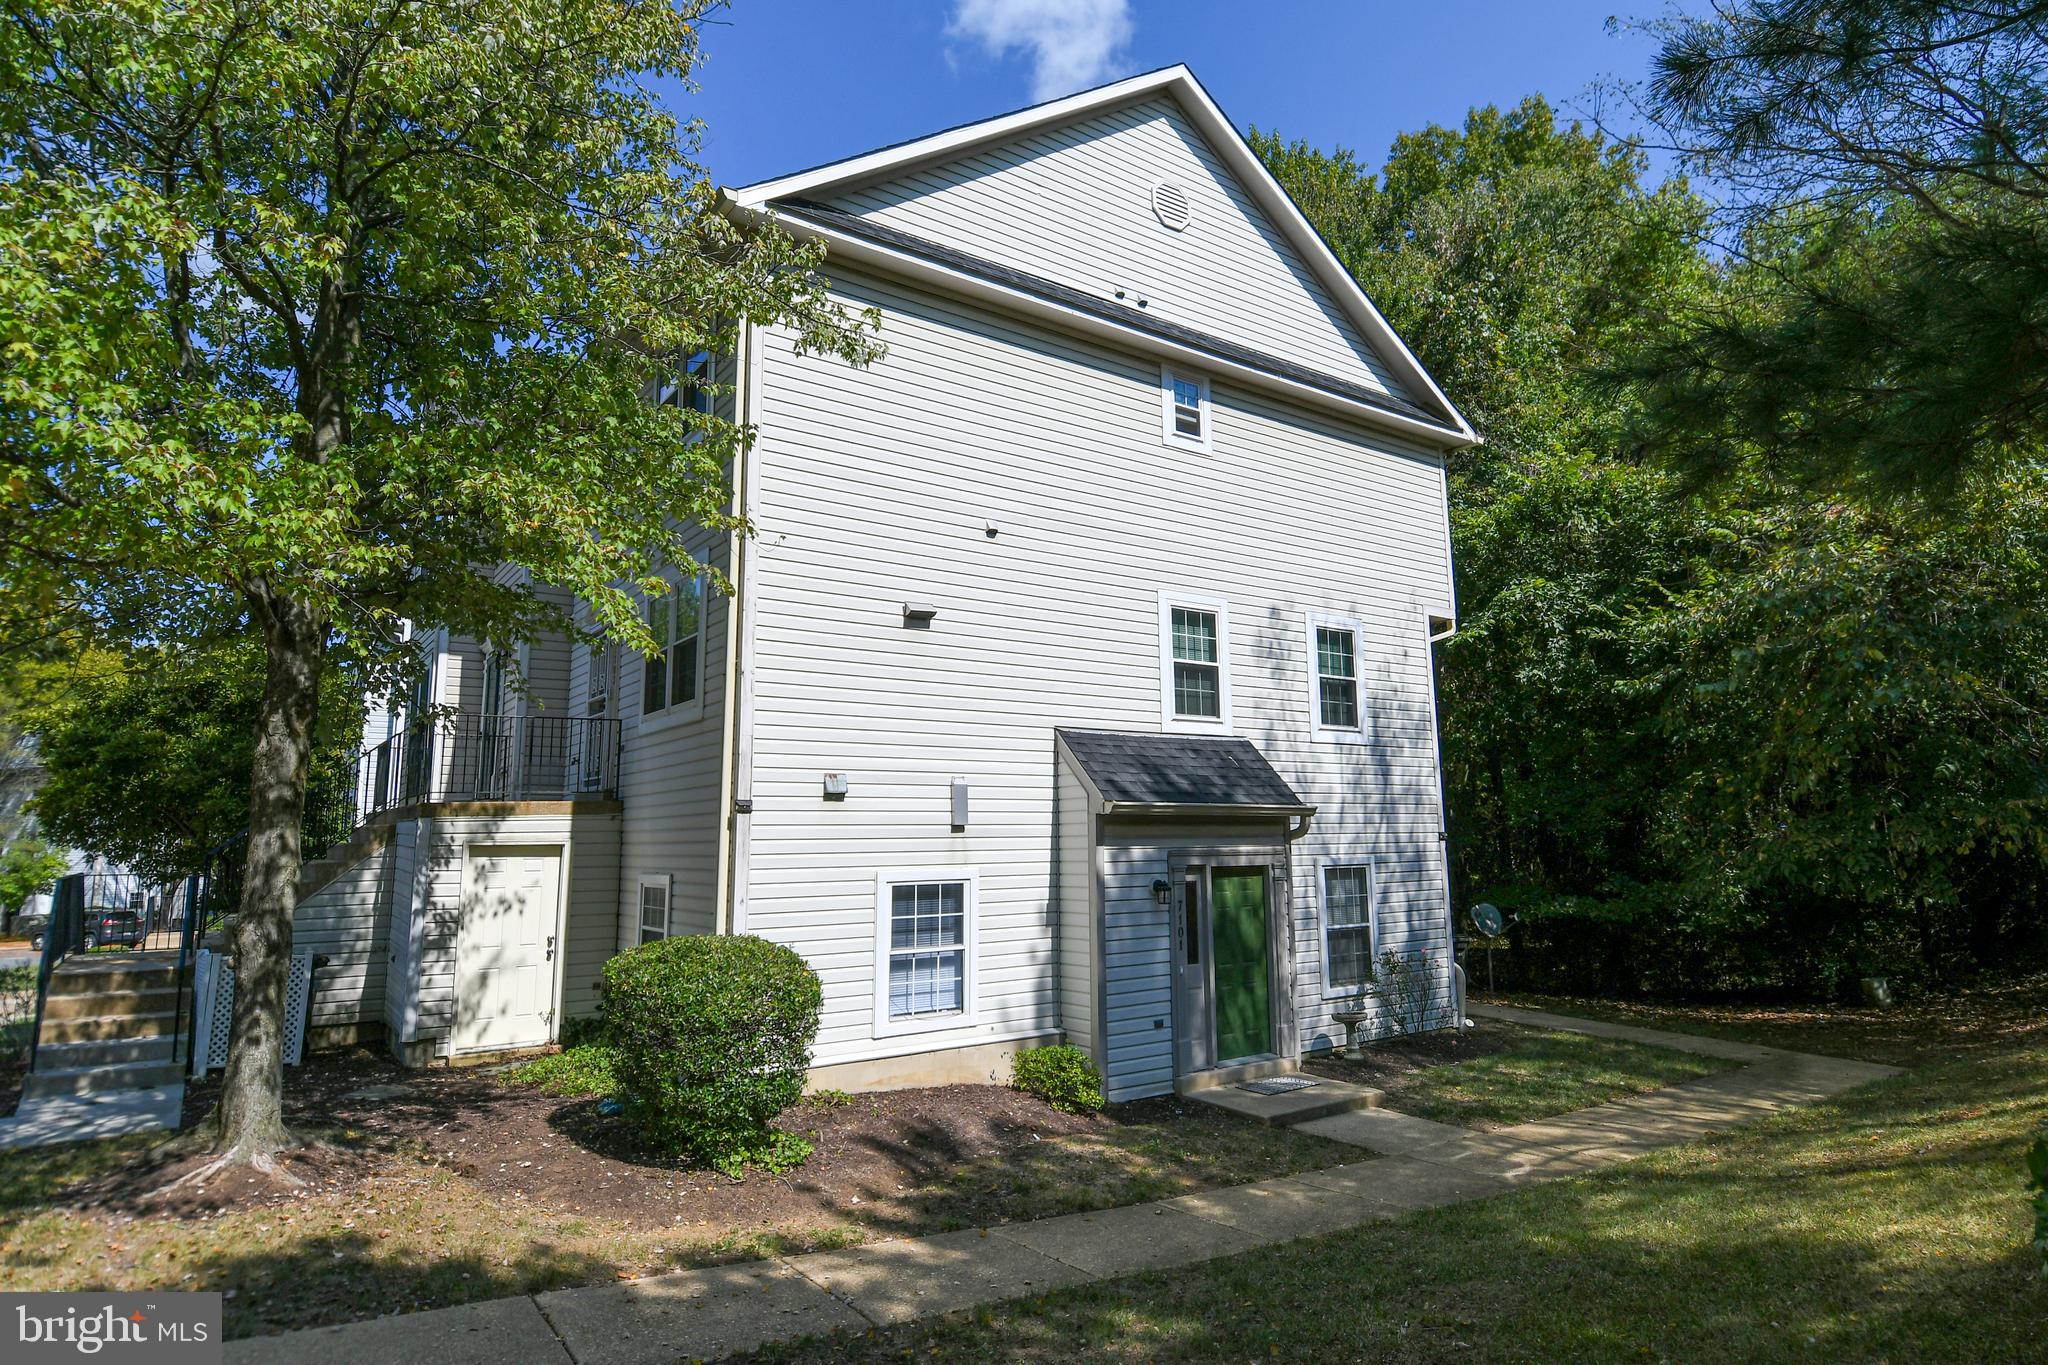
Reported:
(249, 1122)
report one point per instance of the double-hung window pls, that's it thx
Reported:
(653, 908)
(673, 677)
(1184, 409)
(1347, 926)
(1194, 661)
(1336, 700)
(925, 950)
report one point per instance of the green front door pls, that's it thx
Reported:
(1244, 1008)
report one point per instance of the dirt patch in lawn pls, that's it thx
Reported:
(442, 1187)
(954, 1156)
(1390, 1060)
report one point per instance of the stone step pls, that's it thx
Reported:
(94, 1028)
(1290, 1107)
(75, 978)
(93, 1080)
(109, 1004)
(53, 1056)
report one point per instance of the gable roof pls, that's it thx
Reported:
(1159, 772)
(795, 199)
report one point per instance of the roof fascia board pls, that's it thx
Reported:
(1222, 135)
(960, 284)
(955, 141)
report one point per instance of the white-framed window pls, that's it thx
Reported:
(672, 680)
(690, 385)
(1336, 678)
(924, 949)
(1194, 661)
(653, 907)
(1350, 925)
(1184, 408)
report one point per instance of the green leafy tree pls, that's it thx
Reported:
(1904, 143)
(1756, 740)
(28, 868)
(149, 765)
(313, 312)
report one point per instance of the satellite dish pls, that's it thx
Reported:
(1486, 917)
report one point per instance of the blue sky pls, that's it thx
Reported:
(789, 83)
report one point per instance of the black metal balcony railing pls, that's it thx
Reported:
(475, 757)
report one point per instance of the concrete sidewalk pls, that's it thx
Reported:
(704, 1314)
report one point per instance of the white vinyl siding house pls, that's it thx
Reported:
(1210, 527)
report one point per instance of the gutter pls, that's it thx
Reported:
(1304, 815)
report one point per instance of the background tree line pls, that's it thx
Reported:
(1750, 690)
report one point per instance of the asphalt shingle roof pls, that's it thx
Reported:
(1179, 770)
(824, 215)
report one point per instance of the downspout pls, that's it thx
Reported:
(735, 779)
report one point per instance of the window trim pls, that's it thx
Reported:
(671, 712)
(666, 883)
(1169, 431)
(1336, 734)
(1169, 598)
(1324, 867)
(968, 1015)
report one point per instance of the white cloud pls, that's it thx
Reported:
(1073, 44)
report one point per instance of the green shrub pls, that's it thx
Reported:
(1061, 1075)
(711, 1039)
(584, 1069)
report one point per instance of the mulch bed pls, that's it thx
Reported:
(1393, 1058)
(552, 1154)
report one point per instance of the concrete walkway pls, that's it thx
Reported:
(704, 1314)
(46, 1120)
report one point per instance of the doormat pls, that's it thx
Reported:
(1277, 1085)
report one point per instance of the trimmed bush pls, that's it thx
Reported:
(711, 1039)
(1062, 1075)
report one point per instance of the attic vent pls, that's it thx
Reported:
(1170, 205)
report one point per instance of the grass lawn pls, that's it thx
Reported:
(1889, 1224)
(1535, 1074)
(1988, 1019)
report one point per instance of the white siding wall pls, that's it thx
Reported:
(349, 920)
(1230, 274)
(408, 877)
(669, 780)
(1075, 895)
(875, 488)
(1137, 953)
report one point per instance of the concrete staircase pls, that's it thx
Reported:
(108, 1025)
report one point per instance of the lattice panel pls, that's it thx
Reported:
(214, 1010)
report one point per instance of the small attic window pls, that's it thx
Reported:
(1170, 205)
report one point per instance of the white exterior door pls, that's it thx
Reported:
(505, 948)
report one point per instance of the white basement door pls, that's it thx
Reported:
(505, 948)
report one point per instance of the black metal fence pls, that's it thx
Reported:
(479, 757)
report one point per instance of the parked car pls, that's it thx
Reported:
(105, 925)
(31, 927)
